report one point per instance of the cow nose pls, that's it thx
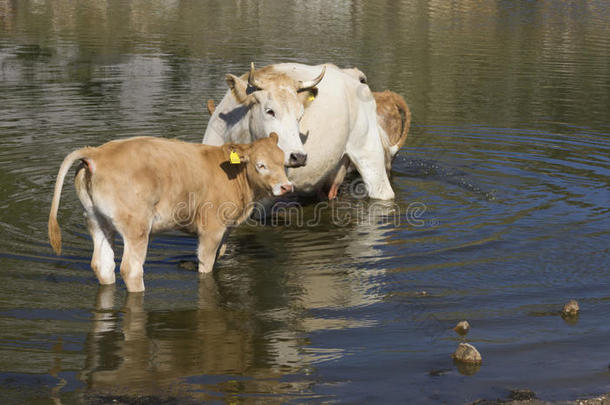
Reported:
(297, 159)
(286, 188)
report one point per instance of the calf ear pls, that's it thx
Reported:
(237, 154)
(239, 87)
(274, 136)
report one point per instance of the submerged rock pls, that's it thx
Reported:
(570, 309)
(188, 265)
(462, 327)
(440, 372)
(467, 353)
(522, 395)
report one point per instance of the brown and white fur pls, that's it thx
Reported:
(393, 119)
(144, 185)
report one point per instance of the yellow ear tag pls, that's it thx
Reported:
(311, 98)
(234, 158)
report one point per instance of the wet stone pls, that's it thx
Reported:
(522, 395)
(462, 328)
(467, 353)
(570, 309)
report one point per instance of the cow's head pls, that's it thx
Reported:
(264, 161)
(277, 103)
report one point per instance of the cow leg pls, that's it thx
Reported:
(135, 232)
(132, 264)
(338, 178)
(102, 233)
(368, 157)
(102, 261)
(209, 242)
(223, 247)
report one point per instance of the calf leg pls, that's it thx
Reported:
(132, 264)
(102, 261)
(102, 233)
(209, 242)
(135, 232)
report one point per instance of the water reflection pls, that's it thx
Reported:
(135, 351)
(246, 326)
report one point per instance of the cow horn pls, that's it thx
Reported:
(312, 83)
(251, 80)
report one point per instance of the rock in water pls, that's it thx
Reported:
(522, 395)
(467, 353)
(462, 327)
(570, 309)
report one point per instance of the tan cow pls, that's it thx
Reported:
(393, 119)
(143, 185)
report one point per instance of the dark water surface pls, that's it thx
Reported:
(506, 174)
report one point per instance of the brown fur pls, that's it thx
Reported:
(211, 106)
(394, 116)
(144, 185)
(269, 80)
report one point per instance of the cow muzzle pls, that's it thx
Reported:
(281, 189)
(297, 159)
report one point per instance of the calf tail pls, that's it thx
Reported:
(54, 229)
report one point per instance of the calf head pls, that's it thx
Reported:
(276, 103)
(265, 166)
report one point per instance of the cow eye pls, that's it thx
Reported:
(270, 112)
(261, 166)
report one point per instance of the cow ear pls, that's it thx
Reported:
(237, 154)
(308, 96)
(244, 155)
(239, 87)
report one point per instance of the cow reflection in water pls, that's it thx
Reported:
(154, 352)
(248, 330)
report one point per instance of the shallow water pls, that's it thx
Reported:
(503, 190)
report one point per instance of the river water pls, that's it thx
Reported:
(502, 189)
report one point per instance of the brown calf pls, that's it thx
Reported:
(143, 185)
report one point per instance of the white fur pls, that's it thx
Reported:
(341, 120)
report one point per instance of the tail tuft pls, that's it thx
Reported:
(55, 235)
(54, 230)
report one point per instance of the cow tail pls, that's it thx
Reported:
(54, 229)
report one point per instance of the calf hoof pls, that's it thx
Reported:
(106, 280)
(134, 286)
(203, 269)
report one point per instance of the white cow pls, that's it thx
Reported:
(319, 122)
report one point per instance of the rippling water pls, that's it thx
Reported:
(503, 187)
